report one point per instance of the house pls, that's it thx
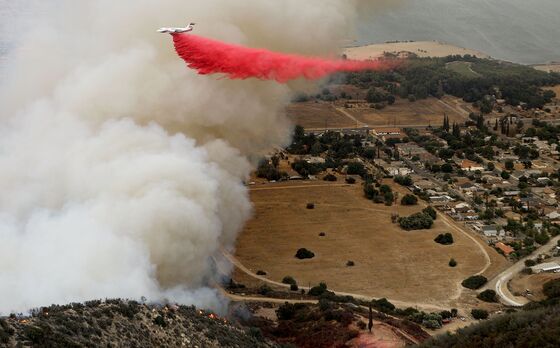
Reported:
(546, 267)
(553, 216)
(470, 166)
(506, 249)
(410, 150)
(386, 133)
(441, 199)
(462, 207)
(493, 231)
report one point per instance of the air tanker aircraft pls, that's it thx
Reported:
(188, 28)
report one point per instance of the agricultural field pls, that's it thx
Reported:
(405, 266)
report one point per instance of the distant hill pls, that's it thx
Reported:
(118, 323)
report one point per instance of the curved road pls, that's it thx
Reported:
(500, 282)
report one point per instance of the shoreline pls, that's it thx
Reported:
(427, 48)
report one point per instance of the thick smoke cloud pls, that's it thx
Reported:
(121, 170)
(209, 56)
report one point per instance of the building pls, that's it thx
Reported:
(506, 249)
(410, 150)
(490, 231)
(470, 166)
(387, 131)
(546, 267)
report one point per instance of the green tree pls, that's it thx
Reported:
(474, 282)
(488, 296)
(479, 314)
(409, 200)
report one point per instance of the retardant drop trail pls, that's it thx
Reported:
(209, 56)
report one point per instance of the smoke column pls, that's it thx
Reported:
(211, 56)
(122, 171)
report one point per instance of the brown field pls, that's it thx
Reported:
(418, 113)
(389, 262)
(318, 115)
(420, 48)
(533, 282)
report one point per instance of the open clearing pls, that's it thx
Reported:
(389, 262)
(403, 113)
(463, 68)
(419, 113)
(318, 115)
(533, 282)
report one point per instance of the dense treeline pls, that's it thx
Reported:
(527, 329)
(420, 78)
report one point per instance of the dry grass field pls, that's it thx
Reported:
(389, 262)
(402, 113)
(418, 113)
(420, 48)
(318, 115)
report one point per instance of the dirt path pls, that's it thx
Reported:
(347, 114)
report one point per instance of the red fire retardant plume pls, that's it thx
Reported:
(237, 62)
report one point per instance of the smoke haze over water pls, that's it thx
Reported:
(121, 170)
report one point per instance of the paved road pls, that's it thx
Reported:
(500, 282)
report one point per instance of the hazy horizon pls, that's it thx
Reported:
(516, 30)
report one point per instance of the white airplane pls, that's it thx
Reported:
(188, 28)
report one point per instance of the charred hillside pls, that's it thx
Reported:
(118, 323)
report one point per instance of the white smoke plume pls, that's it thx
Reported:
(120, 170)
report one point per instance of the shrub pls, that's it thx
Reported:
(310, 206)
(527, 270)
(160, 321)
(488, 296)
(389, 198)
(552, 288)
(356, 168)
(289, 280)
(409, 200)
(403, 180)
(479, 314)
(294, 287)
(350, 263)
(322, 234)
(287, 311)
(445, 239)
(350, 180)
(303, 253)
(329, 177)
(383, 305)
(416, 221)
(530, 263)
(261, 273)
(362, 325)
(318, 290)
(431, 212)
(452, 263)
(474, 282)
(264, 290)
